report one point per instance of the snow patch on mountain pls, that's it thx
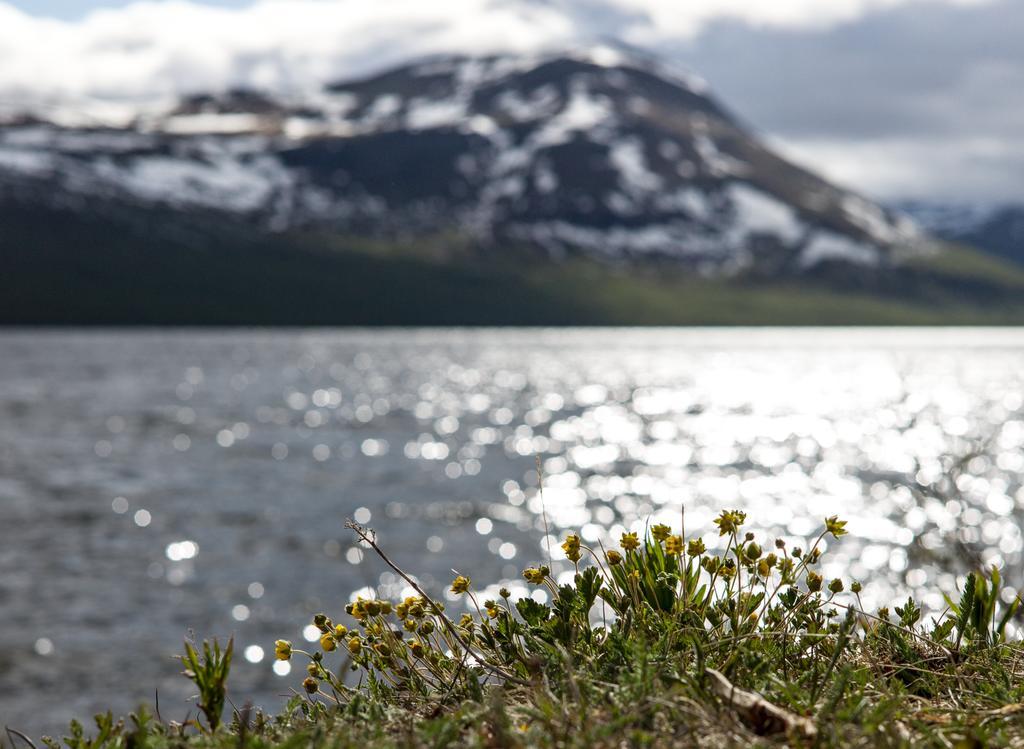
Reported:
(759, 213)
(830, 246)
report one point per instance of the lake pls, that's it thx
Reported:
(154, 483)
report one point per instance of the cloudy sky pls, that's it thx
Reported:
(899, 98)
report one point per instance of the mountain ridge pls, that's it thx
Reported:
(595, 187)
(594, 151)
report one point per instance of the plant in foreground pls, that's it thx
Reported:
(209, 672)
(769, 620)
(659, 642)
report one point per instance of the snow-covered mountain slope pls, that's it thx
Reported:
(597, 151)
(997, 229)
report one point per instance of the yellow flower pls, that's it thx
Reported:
(813, 582)
(283, 650)
(614, 558)
(836, 586)
(660, 532)
(327, 643)
(313, 668)
(571, 547)
(426, 628)
(674, 545)
(835, 526)
(534, 575)
(695, 548)
(311, 685)
(629, 541)
(416, 648)
(358, 609)
(460, 584)
(355, 645)
(491, 607)
(340, 631)
(466, 621)
(730, 521)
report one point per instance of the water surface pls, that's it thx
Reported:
(153, 483)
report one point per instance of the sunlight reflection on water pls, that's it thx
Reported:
(156, 482)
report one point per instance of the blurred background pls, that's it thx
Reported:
(270, 265)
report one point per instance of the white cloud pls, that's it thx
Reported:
(150, 49)
(666, 19)
(943, 167)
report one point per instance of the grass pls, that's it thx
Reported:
(659, 642)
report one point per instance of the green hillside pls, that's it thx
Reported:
(154, 268)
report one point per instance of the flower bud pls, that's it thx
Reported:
(283, 650)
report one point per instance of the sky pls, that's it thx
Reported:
(897, 98)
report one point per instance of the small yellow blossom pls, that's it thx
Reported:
(328, 643)
(571, 547)
(674, 545)
(534, 575)
(835, 526)
(311, 685)
(354, 645)
(629, 541)
(340, 631)
(660, 532)
(492, 609)
(283, 650)
(695, 548)
(614, 558)
(730, 521)
(460, 584)
(416, 648)
(813, 582)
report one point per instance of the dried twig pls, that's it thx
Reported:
(762, 716)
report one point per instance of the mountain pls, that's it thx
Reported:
(452, 190)
(997, 229)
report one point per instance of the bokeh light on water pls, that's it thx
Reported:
(153, 483)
